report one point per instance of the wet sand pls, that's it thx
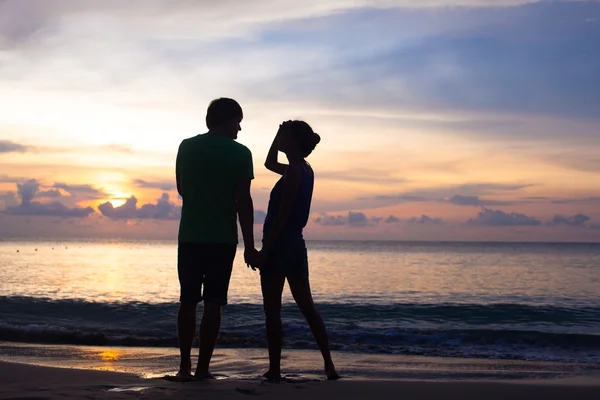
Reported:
(21, 381)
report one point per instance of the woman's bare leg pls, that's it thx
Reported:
(300, 288)
(272, 288)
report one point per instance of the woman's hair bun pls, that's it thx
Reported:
(317, 138)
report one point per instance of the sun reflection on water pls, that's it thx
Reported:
(109, 355)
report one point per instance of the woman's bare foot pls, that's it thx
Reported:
(331, 373)
(272, 376)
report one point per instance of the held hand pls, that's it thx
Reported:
(261, 258)
(250, 258)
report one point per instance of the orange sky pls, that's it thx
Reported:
(459, 115)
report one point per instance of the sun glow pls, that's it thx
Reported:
(118, 198)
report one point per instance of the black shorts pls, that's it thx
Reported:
(287, 259)
(208, 265)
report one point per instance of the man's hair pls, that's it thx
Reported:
(223, 110)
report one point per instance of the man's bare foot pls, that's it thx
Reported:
(180, 377)
(331, 373)
(272, 376)
(204, 375)
(185, 371)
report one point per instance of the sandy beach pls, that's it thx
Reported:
(20, 381)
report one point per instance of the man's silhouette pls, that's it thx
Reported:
(213, 177)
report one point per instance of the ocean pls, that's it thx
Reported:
(532, 302)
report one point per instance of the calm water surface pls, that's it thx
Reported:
(511, 301)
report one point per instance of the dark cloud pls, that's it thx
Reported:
(163, 209)
(424, 219)
(52, 193)
(353, 219)
(357, 219)
(27, 190)
(9, 200)
(30, 189)
(330, 220)
(54, 209)
(573, 220)
(498, 218)
(6, 146)
(392, 220)
(259, 217)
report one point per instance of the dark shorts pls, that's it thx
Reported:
(287, 260)
(207, 265)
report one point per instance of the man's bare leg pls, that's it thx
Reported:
(186, 331)
(209, 332)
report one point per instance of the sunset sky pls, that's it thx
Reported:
(440, 119)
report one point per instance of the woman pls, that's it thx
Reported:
(284, 251)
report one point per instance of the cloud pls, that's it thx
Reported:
(8, 200)
(357, 219)
(424, 219)
(498, 218)
(28, 190)
(52, 193)
(165, 186)
(87, 190)
(392, 220)
(576, 200)
(361, 175)
(580, 160)
(259, 217)
(22, 20)
(54, 209)
(7, 146)
(536, 59)
(573, 220)
(463, 195)
(163, 209)
(331, 220)
(10, 179)
(352, 219)
(475, 201)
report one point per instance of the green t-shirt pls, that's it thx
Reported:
(208, 167)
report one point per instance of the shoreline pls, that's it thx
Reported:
(250, 363)
(27, 381)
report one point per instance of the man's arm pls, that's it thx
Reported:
(178, 171)
(245, 210)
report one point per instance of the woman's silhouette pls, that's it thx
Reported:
(284, 252)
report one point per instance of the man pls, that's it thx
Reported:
(213, 174)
